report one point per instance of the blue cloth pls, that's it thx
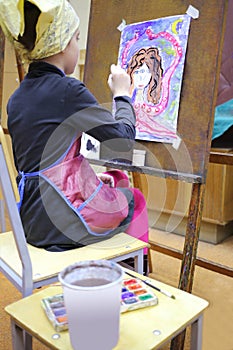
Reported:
(223, 119)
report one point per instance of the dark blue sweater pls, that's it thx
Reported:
(51, 106)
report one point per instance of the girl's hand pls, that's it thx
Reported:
(119, 81)
(106, 179)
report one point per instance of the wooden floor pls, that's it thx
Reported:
(212, 286)
(216, 288)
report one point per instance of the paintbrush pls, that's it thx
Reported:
(148, 283)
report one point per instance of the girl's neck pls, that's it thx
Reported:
(55, 60)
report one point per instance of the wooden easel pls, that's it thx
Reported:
(198, 99)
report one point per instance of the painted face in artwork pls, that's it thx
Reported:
(141, 76)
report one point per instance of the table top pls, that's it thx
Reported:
(146, 328)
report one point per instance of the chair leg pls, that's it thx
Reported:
(21, 340)
(2, 216)
(27, 341)
(17, 337)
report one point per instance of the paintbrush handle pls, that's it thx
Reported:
(147, 282)
(159, 289)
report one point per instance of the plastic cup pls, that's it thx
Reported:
(139, 157)
(92, 296)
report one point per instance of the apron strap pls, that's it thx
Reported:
(24, 176)
(21, 185)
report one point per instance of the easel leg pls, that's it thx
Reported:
(192, 237)
(149, 261)
(190, 249)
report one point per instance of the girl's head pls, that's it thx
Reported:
(70, 54)
(39, 29)
(146, 64)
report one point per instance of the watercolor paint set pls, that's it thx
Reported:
(134, 295)
(56, 312)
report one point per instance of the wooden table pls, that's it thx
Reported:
(141, 329)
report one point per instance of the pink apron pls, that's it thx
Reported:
(100, 208)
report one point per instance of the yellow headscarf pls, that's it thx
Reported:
(56, 25)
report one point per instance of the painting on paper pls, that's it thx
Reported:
(90, 147)
(153, 54)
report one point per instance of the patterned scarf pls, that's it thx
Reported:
(56, 25)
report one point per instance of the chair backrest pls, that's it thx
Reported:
(9, 163)
(7, 185)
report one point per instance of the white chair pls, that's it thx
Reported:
(9, 158)
(28, 267)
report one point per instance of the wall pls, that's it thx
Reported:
(168, 203)
(82, 7)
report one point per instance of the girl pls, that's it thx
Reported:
(63, 203)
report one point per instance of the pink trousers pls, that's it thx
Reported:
(139, 226)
